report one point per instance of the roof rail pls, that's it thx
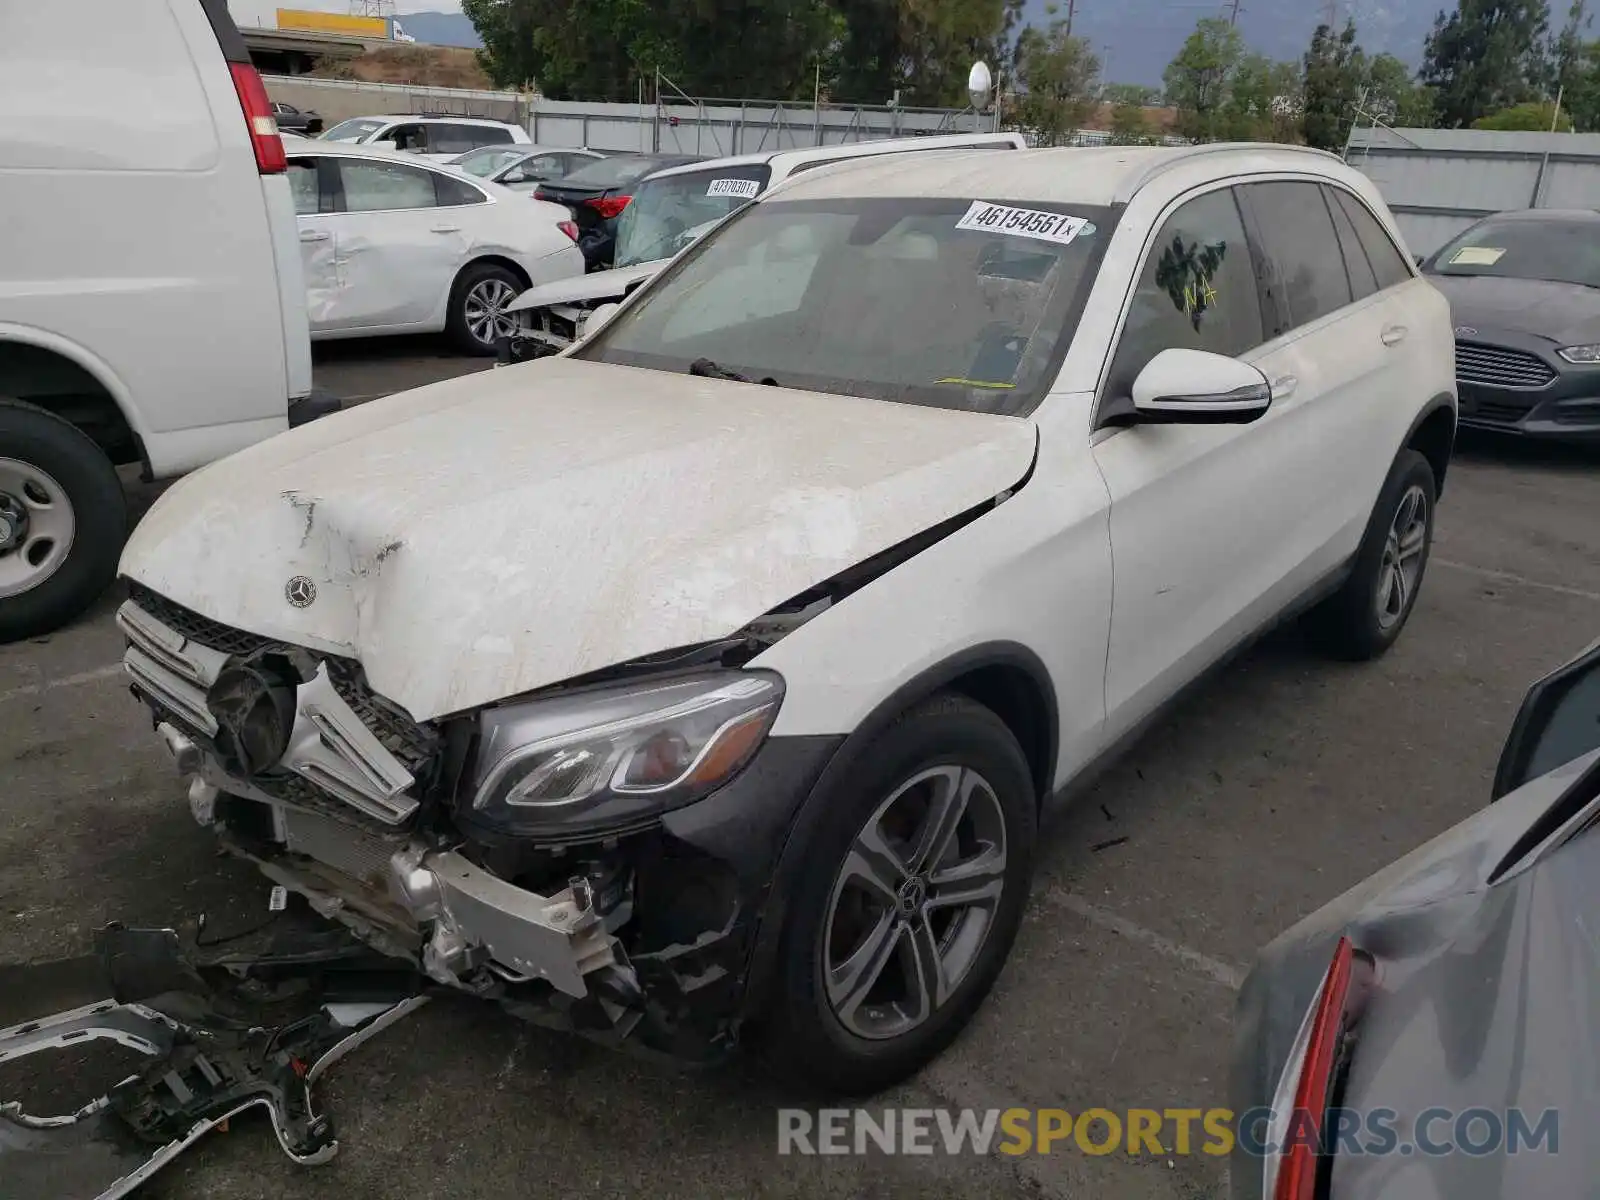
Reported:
(1187, 154)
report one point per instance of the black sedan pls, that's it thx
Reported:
(597, 194)
(1431, 1034)
(1524, 289)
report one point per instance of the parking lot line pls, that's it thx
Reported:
(50, 685)
(1227, 974)
(1518, 580)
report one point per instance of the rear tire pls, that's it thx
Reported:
(63, 520)
(851, 1019)
(1364, 617)
(476, 320)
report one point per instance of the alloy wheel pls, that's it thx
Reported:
(37, 525)
(1400, 571)
(914, 902)
(485, 310)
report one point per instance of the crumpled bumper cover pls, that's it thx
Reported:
(213, 1042)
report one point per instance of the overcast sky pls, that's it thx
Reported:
(265, 12)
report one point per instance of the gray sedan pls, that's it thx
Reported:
(522, 168)
(1430, 1034)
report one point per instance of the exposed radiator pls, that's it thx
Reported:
(346, 849)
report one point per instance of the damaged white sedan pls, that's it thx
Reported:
(704, 683)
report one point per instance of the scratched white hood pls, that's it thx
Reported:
(490, 535)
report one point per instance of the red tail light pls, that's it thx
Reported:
(570, 228)
(609, 206)
(1338, 1008)
(540, 194)
(264, 137)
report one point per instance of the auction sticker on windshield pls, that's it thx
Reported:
(746, 188)
(1476, 256)
(1022, 222)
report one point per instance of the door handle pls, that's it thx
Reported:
(1283, 387)
(447, 229)
(313, 235)
(1394, 335)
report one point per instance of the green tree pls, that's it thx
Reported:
(602, 49)
(1486, 56)
(1582, 99)
(1198, 78)
(1264, 102)
(1567, 53)
(1131, 125)
(1529, 118)
(920, 48)
(1335, 69)
(1135, 94)
(1060, 75)
(1394, 97)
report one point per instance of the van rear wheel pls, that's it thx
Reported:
(63, 519)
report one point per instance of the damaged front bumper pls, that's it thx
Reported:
(209, 1042)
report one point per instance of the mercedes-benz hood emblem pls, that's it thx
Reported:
(300, 592)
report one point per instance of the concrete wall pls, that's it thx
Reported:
(338, 99)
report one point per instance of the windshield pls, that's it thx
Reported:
(610, 172)
(1561, 251)
(946, 302)
(486, 160)
(356, 130)
(669, 210)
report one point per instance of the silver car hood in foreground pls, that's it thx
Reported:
(490, 535)
(1487, 998)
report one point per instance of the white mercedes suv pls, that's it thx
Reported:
(704, 683)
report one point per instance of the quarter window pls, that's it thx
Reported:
(380, 187)
(454, 192)
(1388, 264)
(1197, 291)
(1302, 263)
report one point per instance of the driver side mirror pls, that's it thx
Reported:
(1196, 387)
(1559, 721)
(596, 319)
(385, 144)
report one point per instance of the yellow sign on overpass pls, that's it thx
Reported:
(323, 22)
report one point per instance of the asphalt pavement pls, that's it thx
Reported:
(1281, 782)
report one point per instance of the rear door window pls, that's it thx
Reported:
(384, 187)
(1388, 264)
(1363, 282)
(1301, 259)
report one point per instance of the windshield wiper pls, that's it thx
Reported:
(707, 369)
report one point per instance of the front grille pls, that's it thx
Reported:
(413, 743)
(1502, 367)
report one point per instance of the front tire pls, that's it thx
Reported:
(904, 921)
(1364, 617)
(477, 319)
(63, 520)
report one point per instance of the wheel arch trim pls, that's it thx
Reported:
(96, 366)
(790, 859)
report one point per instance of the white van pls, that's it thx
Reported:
(675, 206)
(152, 305)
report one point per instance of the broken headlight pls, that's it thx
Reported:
(608, 756)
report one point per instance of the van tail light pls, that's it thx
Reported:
(258, 116)
(609, 206)
(1300, 1108)
(570, 228)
